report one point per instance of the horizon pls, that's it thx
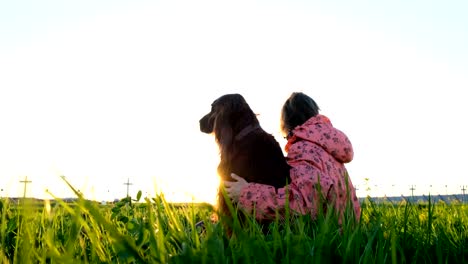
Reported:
(461, 196)
(364, 191)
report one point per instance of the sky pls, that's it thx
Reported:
(105, 92)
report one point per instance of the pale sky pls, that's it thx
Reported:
(105, 91)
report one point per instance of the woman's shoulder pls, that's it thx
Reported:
(317, 120)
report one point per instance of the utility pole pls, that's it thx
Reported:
(412, 192)
(463, 189)
(128, 183)
(25, 182)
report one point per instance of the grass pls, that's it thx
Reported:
(154, 231)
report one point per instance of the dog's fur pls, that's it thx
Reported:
(245, 148)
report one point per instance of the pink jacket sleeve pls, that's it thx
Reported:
(303, 194)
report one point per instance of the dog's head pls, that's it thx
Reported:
(229, 114)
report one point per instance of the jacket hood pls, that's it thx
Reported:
(319, 130)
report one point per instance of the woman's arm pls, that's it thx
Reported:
(302, 194)
(254, 196)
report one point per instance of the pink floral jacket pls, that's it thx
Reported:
(316, 152)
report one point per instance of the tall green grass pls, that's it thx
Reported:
(155, 231)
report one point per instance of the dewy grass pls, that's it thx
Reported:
(133, 230)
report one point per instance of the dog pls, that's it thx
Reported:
(245, 148)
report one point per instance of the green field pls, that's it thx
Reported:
(154, 231)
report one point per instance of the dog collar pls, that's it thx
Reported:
(245, 131)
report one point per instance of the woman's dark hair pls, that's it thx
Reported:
(296, 110)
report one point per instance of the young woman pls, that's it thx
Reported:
(317, 153)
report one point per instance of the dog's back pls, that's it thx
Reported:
(257, 158)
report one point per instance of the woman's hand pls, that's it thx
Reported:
(234, 188)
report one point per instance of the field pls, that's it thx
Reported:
(154, 231)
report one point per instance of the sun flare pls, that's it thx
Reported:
(195, 179)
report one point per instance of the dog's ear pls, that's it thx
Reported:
(223, 130)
